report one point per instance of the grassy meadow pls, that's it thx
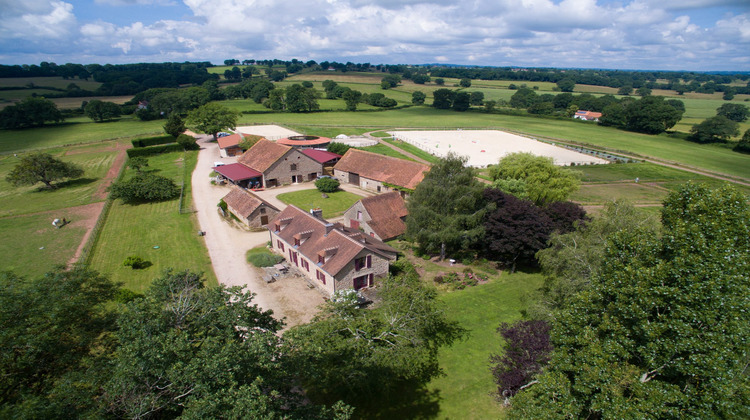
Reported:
(156, 232)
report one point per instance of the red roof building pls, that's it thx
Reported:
(381, 216)
(378, 172)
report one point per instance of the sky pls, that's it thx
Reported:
(696, 35)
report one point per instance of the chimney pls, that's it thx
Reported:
(318, 213)
(329, 228)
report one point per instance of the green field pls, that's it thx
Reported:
(333, 206)
(713, 158)
(76, 131)
(465, 390)
(31, 246)
(385, 150)
(95, 160)
(138, 229)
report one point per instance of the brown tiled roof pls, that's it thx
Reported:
(263, 154)
(403, 173)
(229, 141)
(386, 211)
(244, 202)
(319, 241)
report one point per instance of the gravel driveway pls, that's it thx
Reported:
(289, 297)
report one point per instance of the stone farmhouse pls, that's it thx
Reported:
(381, 216)
(268, 164)
(249, 208)
(331, 256)
(379, 173)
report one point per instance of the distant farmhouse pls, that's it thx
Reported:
(249, 208)
(332, 256)
(379, 173)
(587, 115)
(381, 216)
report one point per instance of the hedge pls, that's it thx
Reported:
(155, 150)
(152, 141)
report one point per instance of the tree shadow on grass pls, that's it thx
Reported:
(79, 182)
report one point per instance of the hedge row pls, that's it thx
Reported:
(155, 150)
(152, 141)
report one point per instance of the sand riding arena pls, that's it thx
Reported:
(486, 147)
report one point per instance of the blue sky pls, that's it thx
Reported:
(700, 35)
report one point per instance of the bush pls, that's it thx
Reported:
(327, 185)
(135, 262)
(222, 205)
(187, 142)
(338, 148)
(145, 187)
(264, 259)
(152, 141)
(154, 150)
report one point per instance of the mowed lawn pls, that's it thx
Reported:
(139, 229)
(466, 390)
(333, 206)
(31, 246)
(95, 161)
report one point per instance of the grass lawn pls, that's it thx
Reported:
(137, 229)
(465, 390)
(333, 206)
(32, 246)
(384, 150)
(95, 160)
(416, 151)
(76, 131)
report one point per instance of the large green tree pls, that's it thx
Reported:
(31, 112)
(534, 177)
(370, 357)
(48, 327)
(718, 129)
(447, 208)
(570, 260)
(212, 118)
(101, 111)
(42, 167)
(735, 112)
(663, 330)
(651, 114)
(300, 99)
(195, 352)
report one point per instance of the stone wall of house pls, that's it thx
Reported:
(282, 171)
(254, 220)
(379, 269)
(365, 183)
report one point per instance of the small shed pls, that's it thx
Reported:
(249, 208)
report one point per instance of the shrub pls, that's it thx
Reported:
(264, 259)
(135, 262)
(145, 187)
(187, 142)
(327, 185)
(338, 148)
(222, 205)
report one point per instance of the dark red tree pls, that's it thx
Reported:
(527, 350)
(564, 215)
(515, 230)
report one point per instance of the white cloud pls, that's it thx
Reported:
(36, 20)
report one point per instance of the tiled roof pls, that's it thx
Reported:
(403, 173)
(229, 141)
(237, 172)
(386, 211)
(263, 154)
(321, 156)
(346, 248)
(244, 202)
